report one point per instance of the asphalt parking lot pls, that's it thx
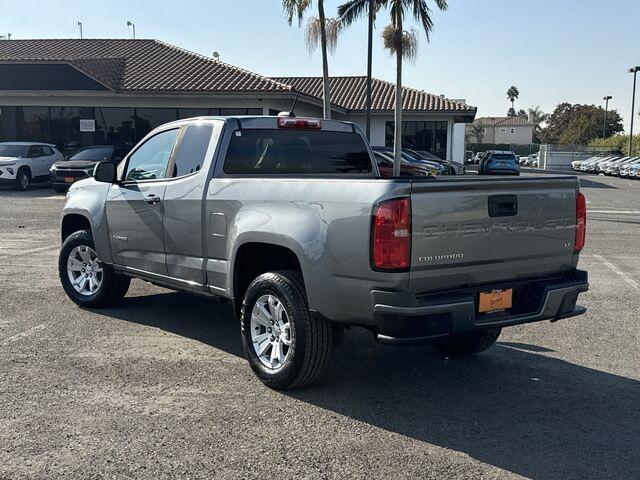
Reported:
(158, 387)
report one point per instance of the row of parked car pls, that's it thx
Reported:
(24, 163)
(625, 167)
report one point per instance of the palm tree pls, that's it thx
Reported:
(512, 95)
(320, 30)
(348, 13)
(538, 117)
(404, 44)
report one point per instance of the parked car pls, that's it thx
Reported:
(385, 166)
(624, 169)
(81, 164)
(615, 168)
(23, 163)
(288, 220)
(453, 168)
(478, 157)
(499, 163)
(591, 166)
(435, 167)
(634, 171)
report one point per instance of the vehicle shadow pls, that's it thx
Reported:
(589, 183)
(514, 407)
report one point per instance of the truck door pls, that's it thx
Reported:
(184, 203)
(134, 207)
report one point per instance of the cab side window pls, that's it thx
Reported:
(150, 161)
(192, 150)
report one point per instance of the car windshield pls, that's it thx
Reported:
(9, 150)
(96, 154)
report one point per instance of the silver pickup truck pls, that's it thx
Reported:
(289, 219)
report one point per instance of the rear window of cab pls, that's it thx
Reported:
(291, 152)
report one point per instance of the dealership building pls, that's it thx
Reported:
(77, 93)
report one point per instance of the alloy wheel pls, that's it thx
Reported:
(270, 331)
(85, 270)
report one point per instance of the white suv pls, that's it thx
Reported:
(22, 163)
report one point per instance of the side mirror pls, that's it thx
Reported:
(105, 172)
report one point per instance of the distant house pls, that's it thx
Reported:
(509, 130)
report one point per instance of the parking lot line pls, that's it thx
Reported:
(617, 212)
(26, 333)
(618, 272)
(31, 250)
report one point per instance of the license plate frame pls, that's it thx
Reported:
(496, 300)
(69, 179)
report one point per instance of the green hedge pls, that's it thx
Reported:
(618, 143)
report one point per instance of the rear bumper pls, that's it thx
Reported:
(404, 318)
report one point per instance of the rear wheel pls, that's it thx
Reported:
(86, 280)
(286, 346)
(467, 345)
(23, 179)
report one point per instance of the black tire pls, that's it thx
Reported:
(311, 337)
(60, 188)
(467, 345)
(23, 179)
(114, 285)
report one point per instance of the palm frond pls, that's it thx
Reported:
(409, 41)
(313, 33)
(295, 9)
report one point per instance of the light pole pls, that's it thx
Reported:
(133, 25)
(604, 123)
(80, 27)
(5, 37)
(635, 71)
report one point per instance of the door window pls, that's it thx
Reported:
(36, 151)
(47, 150)
(150, 160)
(192, 150)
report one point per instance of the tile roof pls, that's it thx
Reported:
(140, 65)
(149, 66)
(350, 93)
(504, 122)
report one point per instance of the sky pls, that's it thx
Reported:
(553, 50)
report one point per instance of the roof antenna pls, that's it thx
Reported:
(291, 113)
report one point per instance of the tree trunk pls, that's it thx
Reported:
(326, 96)
(369, 68)
(397, 138)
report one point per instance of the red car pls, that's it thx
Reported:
(385, 165)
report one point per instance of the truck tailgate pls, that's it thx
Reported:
(486, 230)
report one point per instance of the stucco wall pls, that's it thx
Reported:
(521, 135)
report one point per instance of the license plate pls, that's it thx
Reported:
(495, 300)
(69, 179)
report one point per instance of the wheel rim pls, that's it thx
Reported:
(24, 180)
(271, 332)
(85, 270)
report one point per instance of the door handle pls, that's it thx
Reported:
(152, 199)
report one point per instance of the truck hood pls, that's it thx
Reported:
(76, 164)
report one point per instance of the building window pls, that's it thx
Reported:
(503, 130)
(512, 130)
(115, 126)
(429, 136)
(149, 118)
(484, 131)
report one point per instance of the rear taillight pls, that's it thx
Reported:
(581, 222)
(391, 235)
(299, 123)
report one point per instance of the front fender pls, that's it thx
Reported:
(88, 199)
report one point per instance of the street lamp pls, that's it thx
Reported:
(604, 123)
(80, 26)
(5, 37)
(131, 24)
(635, 71)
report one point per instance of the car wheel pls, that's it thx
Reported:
(86, 280)
(60, 188)
(470, 344)
(286, 346)
(23, 179)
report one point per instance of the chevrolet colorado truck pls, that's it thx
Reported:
(289, 219)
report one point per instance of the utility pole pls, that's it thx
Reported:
(133, 25)
(635, 71)
(80, 27)
(604, 123)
